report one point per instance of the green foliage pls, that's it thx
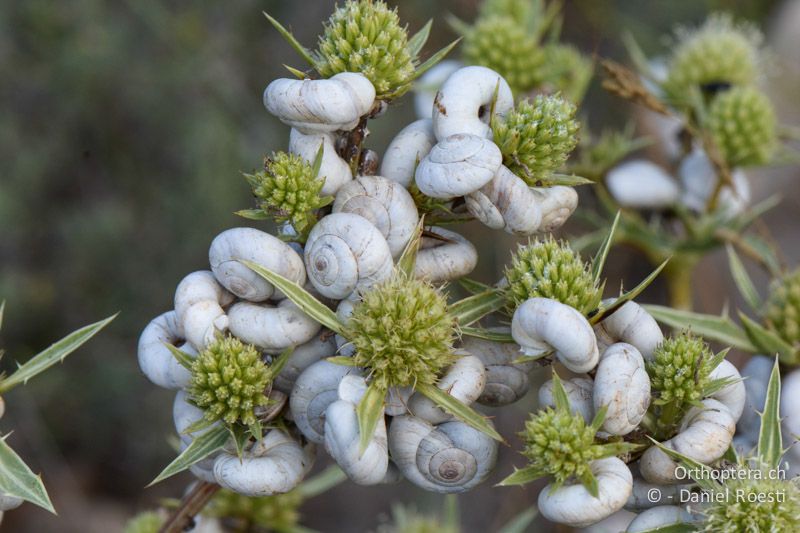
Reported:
(566, 70)
(782, 315)
(288, 190)
(17, 480)
(742, 123)
(145, 522)
(718, 52)
(402, 332)
(537, 137)
(279, 512)
(551, 269)
(228, 382)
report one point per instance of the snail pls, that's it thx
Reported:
(397, 400)
(333, 168)
(542, 325)
(184, 414)
(464, 381)
(506, 382)
(661, 517)
(790, 391)
(344, 251)
(315, 389)
(458, 165)
(630, 324)
(274, 465)
(699, 180)
(506, 202)
(8, 502)
(622, 385)
(155, 359)
(465, 100)
(319, 106)
(271, 328)
(199, 302)
(643, 496)
(428, 85)
(448, 458)
(342, 436)
(321, 346)
(732, 395)
(406, 150)
(574, 506)
(704, 435)
(236, 244)
(640, 184)
(579, 393)
(385, 203)
(556, 203)
(441, 259)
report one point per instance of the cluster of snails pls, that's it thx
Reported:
(353, 246)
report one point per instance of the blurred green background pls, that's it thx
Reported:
(124, 128)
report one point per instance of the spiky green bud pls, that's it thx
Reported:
(783, 308)
(551, 269)
(718, 52)
(743, 125)
(566, 70)
(754, 503)
(402, 332)
(520, 10)
(288, 191)
(410, 520)
(537, 137)
(366, 36)
(145, 522)
(502, 44)
(229, 380)
(279, 512)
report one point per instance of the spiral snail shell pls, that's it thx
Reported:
(630, 324)
(464, 381)
(458, 165)
(506, 202)
(450, 256)
(321, 346)
(271, 328)
(199, 302)
(579, 393)
(622, 385)
(557, 204)
(506, 382)
(155, 359)
(409, 147)
(641, 184)
(333, 168)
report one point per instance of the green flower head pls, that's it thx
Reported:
(228, 381)
(743, 125)
(402, 332)
(718, 52)
(783, 308)
(505, 46)
(366, 36)
(288, 190)
(537, 137)
(551, 269)
(564, 69)
(521, 10)
(145, 522)
(279, 512)
(407, 519)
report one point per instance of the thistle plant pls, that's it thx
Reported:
(782, 313)
(743, 126)
(537, 137)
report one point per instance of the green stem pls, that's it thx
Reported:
(678, 273)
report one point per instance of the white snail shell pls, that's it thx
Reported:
(451, 257)
(557, 204)
(344, 252)
(641, 184)
(385, 203)
(333, 168)
(704, 435)
(756, 373)
(642, 495)
(448, 458)
(540, 325)
(458, 165)
(660, 517)
(790, 411)
(321, 346)
(464, 102)
(699, 179)
(633, 325)
(407, 149)
(342, 436)
(428, 85)
(506, 382)
(579, 394)
(271, 328)
(274, 465)
(8, 502)
(199, 300)
(573, 505)
(315, 389)
(733, 395)
(623, 386)
(236, 244)
(464, 381)
(319, 106)
(614, 523)
(155, 359)
(397, 400)
(184, 414)
(506, 202)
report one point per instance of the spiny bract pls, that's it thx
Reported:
(503, 45)
(402, 332)
(564, 69)
(366, 36)
(288, 190)
(783, 308)
(719, 52)
(743, 125)
(228, 381)
(551, 269)
(278, 512)
(537, 137)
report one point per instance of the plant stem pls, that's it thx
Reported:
(678, 273)
(194, 502)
